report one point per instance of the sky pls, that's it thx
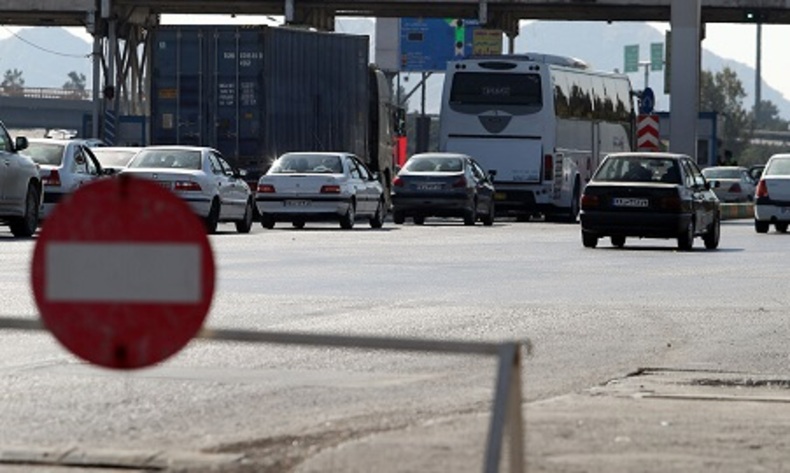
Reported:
(732, 41)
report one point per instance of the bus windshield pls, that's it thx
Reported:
(479, 88)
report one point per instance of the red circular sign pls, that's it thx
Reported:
(123, 273)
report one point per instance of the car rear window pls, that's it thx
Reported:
(307, 164)
(778, 167)
(172, 159)
(713, 173)
(434, 165)
(45, 153)
(639, 169)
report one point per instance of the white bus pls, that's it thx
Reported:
(542, 123)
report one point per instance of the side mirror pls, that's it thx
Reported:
(20, 143)
(492, 174)
(239, 173)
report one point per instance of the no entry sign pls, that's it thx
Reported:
(123, 273)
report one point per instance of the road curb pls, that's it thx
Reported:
(737, 211)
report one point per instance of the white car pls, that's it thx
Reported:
(20, 186)
(772, 198)
(202, 178)
(65, 165)
(114, 158)
(731, 183)
(301, 187)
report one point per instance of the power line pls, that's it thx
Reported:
(57, 53)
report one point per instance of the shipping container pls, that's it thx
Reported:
(254, 93)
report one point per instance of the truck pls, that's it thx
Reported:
(256, 92)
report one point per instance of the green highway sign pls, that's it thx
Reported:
(632, 58)
(656, 56)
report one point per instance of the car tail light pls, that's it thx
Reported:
(672, 203)
(397, 182)
(735, 188)
(266, 189)
(330, 189)
(460, 182)
(548, 167)
(590, 201)
(762, 189)
(53, 179)
(186, 186)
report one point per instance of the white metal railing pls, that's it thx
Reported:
(506, 417)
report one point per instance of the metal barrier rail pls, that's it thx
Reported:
(506, 418)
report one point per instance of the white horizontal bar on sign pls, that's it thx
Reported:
(123, 272)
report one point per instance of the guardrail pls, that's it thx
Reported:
(506, 417)
(736, 211)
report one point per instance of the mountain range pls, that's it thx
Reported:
(47, 55)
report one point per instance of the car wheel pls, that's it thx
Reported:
(470, 215)
(618, 241)
(589, 240)
(398, 217)
(25, 226)
(377, 220)
(298, 224)
(267, 221)
(418, 219)
(781, 227)
(713, 235)
(760, 226)
(212, 219)
(348, 219)
(573, 212)
(488, 219)
(686, 239)
(245, 224)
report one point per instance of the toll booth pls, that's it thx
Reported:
(708, 126)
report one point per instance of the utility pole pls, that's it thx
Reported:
(758, 73)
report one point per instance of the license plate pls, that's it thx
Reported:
(297, 203)
(500, 196)
(629, 202)
(164, 184)
(429, 187)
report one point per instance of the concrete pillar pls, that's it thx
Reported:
(684, 81)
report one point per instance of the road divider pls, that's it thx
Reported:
(736, 211)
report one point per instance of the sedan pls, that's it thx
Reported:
(114, 158)
(20, 186)
(214, 190)
(301, 187)
(65, 166)
(443, 185)
(735, 183)
(649, 195)
(772, 200)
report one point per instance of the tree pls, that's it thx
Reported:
(13, 83)
(76, 84)
(723, 92)
(768, 117)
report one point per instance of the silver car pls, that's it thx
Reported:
(20, 186)
(772, 200)
(731, 183)
(213, 189)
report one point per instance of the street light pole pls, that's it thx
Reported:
(758, 73)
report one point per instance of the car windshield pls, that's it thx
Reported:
(718, 173)
(113, 157)
(434, 164)
(778, 167)
(307, 164)
(45, 153)
(166, 158)
(639, 169)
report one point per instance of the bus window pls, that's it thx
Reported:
(469, 88)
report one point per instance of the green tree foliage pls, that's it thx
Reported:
(76, 84)
(768, 117)
(13, 83)
(723, 92)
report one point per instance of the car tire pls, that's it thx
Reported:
(245, 224)
(398, 217)
(267, 221)
(686, 239)
(572, 215)
(488, 219)
(212, 219)
(298, 224)
(711, 238)
(618, 241)
(377, 220)
(470, 215)
(781, 227)
(348, 219)
(761, 226)
(589, 240)
(418, 219)
(26, 225)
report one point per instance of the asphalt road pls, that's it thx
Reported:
(592, 316)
